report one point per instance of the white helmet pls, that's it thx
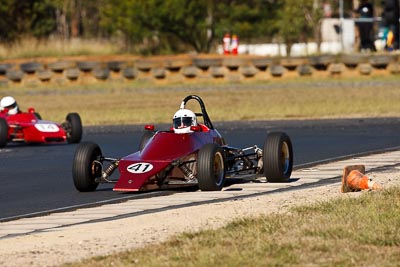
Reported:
(182, 121)
(8, 102)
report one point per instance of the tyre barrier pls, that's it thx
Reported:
(190, 71)
(262, 63)
(248, 71)
(205, 63)
(101, 74)
(116, 66)
(321, 62)
(31, 67)
(277, 70)
(352, 61)
(15, 75)
(194, 68)
(87, 66)
(5, 67)
(129, 73)
(44, 75)
(60, 66)
(158, 73)
(72, 74)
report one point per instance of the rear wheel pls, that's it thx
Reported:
(210, 168)
(3, 132)
(86, 167)
(277, 157)
(73, 127)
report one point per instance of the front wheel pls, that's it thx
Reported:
(86, 167)
(3, 132)
(277, 157)
(73, 128)
(210, 168)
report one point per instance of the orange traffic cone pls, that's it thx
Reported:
(353, 179)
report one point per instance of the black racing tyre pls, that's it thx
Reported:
(211, 168)
(147, 135)
(3, 132)
(74, 128)
(86, 167)
(277, 157)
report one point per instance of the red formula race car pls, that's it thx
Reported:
(188, 154)
(28, 127)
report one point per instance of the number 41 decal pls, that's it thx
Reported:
(140, 167)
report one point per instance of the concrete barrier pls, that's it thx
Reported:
(186, 68)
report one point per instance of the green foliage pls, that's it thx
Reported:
(252, 20)
(298, 19)
(158, 25)
(162, 26)
(42, 18)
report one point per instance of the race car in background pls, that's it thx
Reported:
(28, 127)
(172, 158)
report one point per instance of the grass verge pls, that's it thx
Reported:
(31, 48)
(140, 103)
(360, 231)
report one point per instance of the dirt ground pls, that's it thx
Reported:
(74, 243)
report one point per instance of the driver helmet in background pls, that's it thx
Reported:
(9, 103)
(182, 120)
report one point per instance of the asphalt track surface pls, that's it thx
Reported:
(36, 179)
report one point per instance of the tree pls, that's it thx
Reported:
(7, 21)
(42, 18)
(25, 18)
(77, 18)
(250, 20)
(180, 25)
(123, 19)
(297, 21)
(162, 26)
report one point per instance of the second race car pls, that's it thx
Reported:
(188, 154)
(28, 127)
